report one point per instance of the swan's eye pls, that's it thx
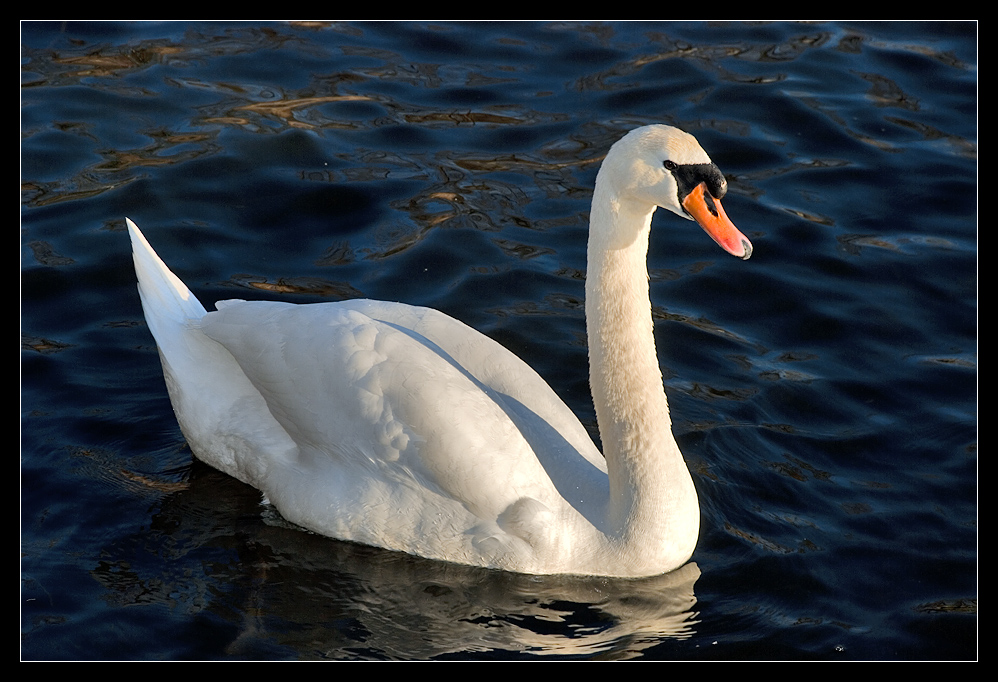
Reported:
(670, 165)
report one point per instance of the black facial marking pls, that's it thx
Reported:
(689, 175)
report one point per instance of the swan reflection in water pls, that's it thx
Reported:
(274, 591)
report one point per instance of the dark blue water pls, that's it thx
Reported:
(823, 392)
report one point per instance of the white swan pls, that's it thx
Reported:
(399, 427)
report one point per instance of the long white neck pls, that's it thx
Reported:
(653, 509)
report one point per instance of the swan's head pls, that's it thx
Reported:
(662, 166)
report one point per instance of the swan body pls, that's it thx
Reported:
(400, 427)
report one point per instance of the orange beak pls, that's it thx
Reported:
(715, 223)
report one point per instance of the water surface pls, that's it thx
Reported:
(823, 392)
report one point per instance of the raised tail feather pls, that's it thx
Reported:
(165, 299)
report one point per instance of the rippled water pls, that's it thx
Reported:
(823, 392)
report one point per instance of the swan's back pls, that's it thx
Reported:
(379, 422)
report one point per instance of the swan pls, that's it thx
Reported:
(397, 426)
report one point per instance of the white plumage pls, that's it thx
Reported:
(400, 427)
